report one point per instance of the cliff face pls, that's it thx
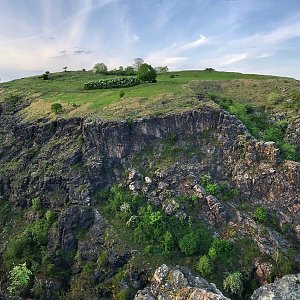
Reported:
(63, 163)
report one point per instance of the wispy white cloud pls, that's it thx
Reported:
(172, 54)
(231, 59)
(201, 41)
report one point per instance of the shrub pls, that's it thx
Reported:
(19, 278)
(45, 76)
(223, 251)
(146, 73)
(212, 189)
(260, 215)
(56, 108)
(121, 82)
(233, 283)
(29, 245)
(188, 244)
(288, 151)
(122, 94)
(167, 242)
(204, 266)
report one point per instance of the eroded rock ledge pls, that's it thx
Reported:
(169, 283)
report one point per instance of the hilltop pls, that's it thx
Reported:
(171, 93)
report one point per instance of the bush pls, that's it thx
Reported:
(121, 82)
(122, 94)
(188, 244)
(288, 151)
(30, 244)
(223, 251)
(56, 108)
(212, 189)
(19, 278)
(260, 215)
(146, 73)
(204, 266)
(233, 283)
(45, 76)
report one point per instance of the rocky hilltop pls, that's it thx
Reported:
(54, 218)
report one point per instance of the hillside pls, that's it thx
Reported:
(199, 170)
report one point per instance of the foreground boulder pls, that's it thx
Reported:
(178, 283)
(287, 287)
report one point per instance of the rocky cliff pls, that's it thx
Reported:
(60, 165)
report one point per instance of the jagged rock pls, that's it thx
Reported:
(286, 288)
(217, 209)
(263, 271)
(199, 190)
(179, 283)
(48, 289)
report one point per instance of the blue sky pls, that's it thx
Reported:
(249, 36)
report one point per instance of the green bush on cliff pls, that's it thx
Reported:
(29, 245)
(260, 215)
(233, 283)
(19, 277)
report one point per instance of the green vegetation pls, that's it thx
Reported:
(260, 215)
(223, 190)
(154, 231)
(29, 245)
(233, 283)
(259, 125)
(19, 277)
(146, 73)
(56, 108)
(112, 83)
(67, 88)
(161, 238)
(204, 266)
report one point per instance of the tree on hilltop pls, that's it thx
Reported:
(146, 73)
(137, 62)
(100, 68)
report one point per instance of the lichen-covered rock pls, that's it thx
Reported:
(169, 283)
(286, 288)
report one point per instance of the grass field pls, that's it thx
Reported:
(171, 91)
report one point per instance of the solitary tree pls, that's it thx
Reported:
(146, 73)
(56, 108)
(100, 68)
(137, 62)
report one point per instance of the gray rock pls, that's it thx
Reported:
(286, 288)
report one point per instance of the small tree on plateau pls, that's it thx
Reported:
(137, 62)
(146, 73)
(100, 68)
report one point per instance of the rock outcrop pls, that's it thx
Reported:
(178, 283)
(288, 287)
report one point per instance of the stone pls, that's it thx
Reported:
(286, 288)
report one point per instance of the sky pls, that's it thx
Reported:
(248, 36)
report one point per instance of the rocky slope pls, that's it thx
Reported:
(60, 165)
